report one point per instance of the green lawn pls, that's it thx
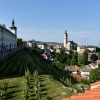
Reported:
(15, 87)
(50, 87)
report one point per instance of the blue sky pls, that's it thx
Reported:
(46, 20)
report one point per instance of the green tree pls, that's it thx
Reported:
(75, 47)
(74, 59)
(80, 59)
(19, 41)
(62, 51)
(85, 57)
(51, 47)
(94, 75)
(59, 65)
(94, 57)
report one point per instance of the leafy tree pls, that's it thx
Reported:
(75, 47)
(68, 62)
(59, 65)
(80, 59)
(19, 41)
(94, 57)
(62, 51)
(3, 93)
(94, 75)
(74, 59)
(87, 50)
(85, 58)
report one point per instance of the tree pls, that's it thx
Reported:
(87, 50)
(85, 57)
(59, 65)
(51, 47)
(62, 51)
(80, 59)
(94, 75)
(74, 59)
(19, 41)
(75, 47)
(94, 57)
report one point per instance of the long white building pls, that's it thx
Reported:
(8, 37)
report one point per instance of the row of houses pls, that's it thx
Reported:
(32, 44)
(82, 48)
(81, 73)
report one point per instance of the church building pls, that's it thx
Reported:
(69, 45)
(8, 37)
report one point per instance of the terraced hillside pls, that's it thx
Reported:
(51, 79)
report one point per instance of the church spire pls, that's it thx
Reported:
(13, 22)
(65, 31)
(13, 28)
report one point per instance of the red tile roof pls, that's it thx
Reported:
(76, 67)
(77, 76)
(96, 83)
(92, 94)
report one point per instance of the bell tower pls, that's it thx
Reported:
(13, 28)
(65, 38)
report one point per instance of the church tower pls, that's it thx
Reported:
(65, 38)
(13, 28)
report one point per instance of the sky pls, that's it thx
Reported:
(47, 20)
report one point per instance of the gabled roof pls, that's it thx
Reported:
(90, 46)
(76, 67)
(86, 69)
(1, 26)
(70, 68)
(77, 76)
(82, 46)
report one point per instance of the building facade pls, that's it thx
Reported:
(81, 49)
(42, 45)
(69, 45)
(8, 37)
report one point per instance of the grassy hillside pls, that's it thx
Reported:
(51, 79)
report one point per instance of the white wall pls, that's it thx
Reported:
(7, 38)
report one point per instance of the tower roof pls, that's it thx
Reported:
(13, 22)
(13, 25)
(65, 31)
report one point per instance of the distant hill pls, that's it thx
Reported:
(54, 43)
(50, 43)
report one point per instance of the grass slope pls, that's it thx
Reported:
(50, 87)
(50, 77)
